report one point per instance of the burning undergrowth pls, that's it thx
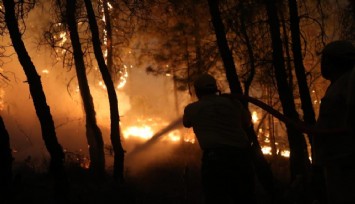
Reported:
(154, 141)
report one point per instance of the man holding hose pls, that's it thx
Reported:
(218, 123)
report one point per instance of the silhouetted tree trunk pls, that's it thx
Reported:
(262, 167)
(5, 160)
(39, 99)
(93, 133)
(288, 65)
(112, 97)
(299, 162)
(307, 107)
(309, 117)
(109, 46)
(197, 37)
(249, 45)
(223, 47)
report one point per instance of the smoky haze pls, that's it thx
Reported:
(143, 98)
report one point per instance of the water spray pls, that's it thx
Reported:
(177, 123)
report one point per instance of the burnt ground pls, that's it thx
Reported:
(174, 179)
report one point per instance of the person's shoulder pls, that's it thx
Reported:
(226, 95)
(192, 105)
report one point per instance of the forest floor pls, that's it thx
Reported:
(174, 179)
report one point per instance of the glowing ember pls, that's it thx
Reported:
(123, 82)
(109, 5)
(102, 85)
(123, 78)
(266, 150)
(189, 136)
(254, 117)
(63, 37)
(285, 153)
(174, 136)
(77, 89)
(84, 163)
(190, 140)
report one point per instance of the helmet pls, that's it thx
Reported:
(205, 84)
(339, 50)
(337, 58)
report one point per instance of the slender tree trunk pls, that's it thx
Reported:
(39, 99)
(109, 46)
(93, 133)
(5, 160)
(299, 162)
(288, 64)
(309, 117)
(112, 97)
(249, 49)
(307, 107)
(262, 167)
(223, 47)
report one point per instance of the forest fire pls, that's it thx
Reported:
(107, 82)
(265, 141)
(146, 128)
(267, 150)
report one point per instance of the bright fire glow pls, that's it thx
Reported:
(123, 82)
(266, 150)
(63, 38)
(109, 5)
(146, 128)
(254, 117)
(123, 78)
(285, 153)
(173, 136)
(143, 132)
(102, 85)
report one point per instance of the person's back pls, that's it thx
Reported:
(335, 151)
(218, 123)
(332, 115)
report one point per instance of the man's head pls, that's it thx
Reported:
(205, 84)
(337, 58)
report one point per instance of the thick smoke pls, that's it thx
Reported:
(143, 98)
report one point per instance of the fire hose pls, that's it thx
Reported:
(173, 125)
(296, 123)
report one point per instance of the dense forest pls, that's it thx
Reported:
(92, 94)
